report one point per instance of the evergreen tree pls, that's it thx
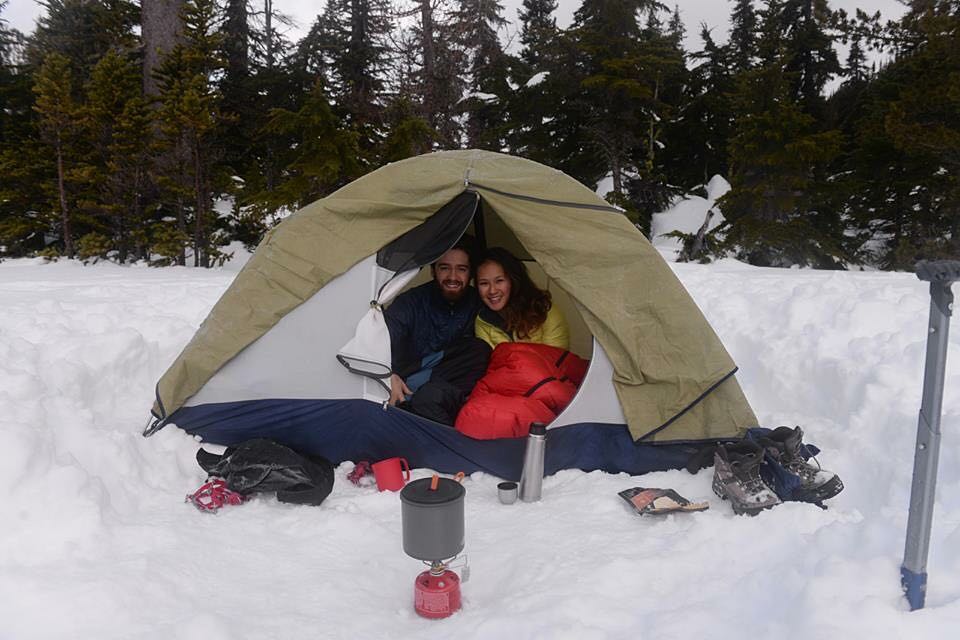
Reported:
(437, 77)
(743, 35)
(606, 33)
(239, 102)
(24, 160)
(360, 69)
(856, 67)
(698, 138)
(532, 106)
(407, 133)
(476, 23)
(795, 37)
(59, 121)
(189, 113)
(324, 158)
(903, 188)
(82, 31)
(538, 30)
(631, 83)
(676, 30)
(117, 124)
(778, 160)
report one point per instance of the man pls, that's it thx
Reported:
(436, 359)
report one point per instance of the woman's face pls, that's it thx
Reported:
(493, 285)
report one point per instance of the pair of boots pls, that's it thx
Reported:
(770, 467)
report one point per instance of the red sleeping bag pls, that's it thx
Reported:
(525, 382)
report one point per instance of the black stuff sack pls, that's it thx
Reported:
(265, 466)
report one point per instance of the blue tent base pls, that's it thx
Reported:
(341, 430)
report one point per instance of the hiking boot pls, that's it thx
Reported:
(736, 476)
(785, 447)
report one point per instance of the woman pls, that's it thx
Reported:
(514, 309)
(531, 376)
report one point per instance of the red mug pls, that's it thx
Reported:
(391, 474)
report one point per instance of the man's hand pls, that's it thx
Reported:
(398, 389)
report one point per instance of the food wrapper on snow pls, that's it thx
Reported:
(659, 501)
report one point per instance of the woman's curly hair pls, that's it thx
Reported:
(527, 308)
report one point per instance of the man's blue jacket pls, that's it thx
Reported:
(422, 322)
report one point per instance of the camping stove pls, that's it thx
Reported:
(432, 510)
(436, 592)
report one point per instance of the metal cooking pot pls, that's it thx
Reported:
(432, 519)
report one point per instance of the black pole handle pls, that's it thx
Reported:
(942, 271)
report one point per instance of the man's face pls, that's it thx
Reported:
(452, 274)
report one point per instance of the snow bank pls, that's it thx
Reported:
(687, 214)
(97, 542)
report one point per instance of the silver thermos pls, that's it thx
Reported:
(531, 478)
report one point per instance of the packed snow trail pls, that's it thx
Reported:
(97, 542)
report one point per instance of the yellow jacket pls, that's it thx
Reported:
(554, 331)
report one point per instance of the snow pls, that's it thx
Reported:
(97, 542)
(687, 215)
(537, 79)
(480, 95)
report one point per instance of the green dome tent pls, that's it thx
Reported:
(656, 364)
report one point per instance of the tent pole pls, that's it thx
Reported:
(913, 573)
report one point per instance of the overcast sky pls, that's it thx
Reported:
(22, 13)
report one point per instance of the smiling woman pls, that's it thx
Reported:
(515, 309)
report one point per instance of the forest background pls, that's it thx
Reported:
(166, 131)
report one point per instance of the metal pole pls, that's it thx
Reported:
(913, 573)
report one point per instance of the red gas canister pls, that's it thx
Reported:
(436, 595)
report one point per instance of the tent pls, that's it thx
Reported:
(277, 355)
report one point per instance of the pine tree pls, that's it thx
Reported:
(324, 159)
(118, 127)
(606, 33)
(676, 29)
(532, 107)
(437, 66)
(743, 35)
(476, 23)
(921, 118)
(778, 160)
(795, 37)
(856, 67)
(697, 139)
(59, 120)
(83, 31)
(630, 88)
(24, 160)
(239, 102)
(188, 117)
(538, 30)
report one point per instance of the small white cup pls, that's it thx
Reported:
(507, 491)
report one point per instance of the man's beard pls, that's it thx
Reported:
(452, 295)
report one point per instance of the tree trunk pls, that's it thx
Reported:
(182, 227)
(616, 171)
(268, 30)
(429, 63)
(62, 194)
(651, 149)
(160, 31)
(199, 245)
(696, 247)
